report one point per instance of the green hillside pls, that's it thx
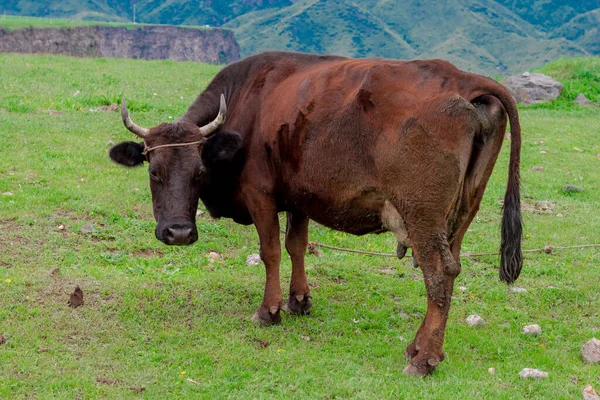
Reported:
(494, 37)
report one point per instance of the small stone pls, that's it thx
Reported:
(537, 168)
(532, 373)
(589, 393)
(492, 371)
(582, 100)
(253, 259)
(199, 212)
(543, 152)
(572, 189)
(474, 320)
(88, 228)
(516, 289)
(539, 142)
(61, 227)
(591, 351)
(305, 337)
(532, 330)
(214, 256)
(7, 194)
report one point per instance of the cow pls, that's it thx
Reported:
(357, 145)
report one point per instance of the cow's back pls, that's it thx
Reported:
(344, 136)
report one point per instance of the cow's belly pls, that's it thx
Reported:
(365, 212)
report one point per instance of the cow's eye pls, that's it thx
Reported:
(153, 173)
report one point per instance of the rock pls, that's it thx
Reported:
(532, 373)
(589, 393)
(156, 42)
(537, 168)
(591, 351)
(572, 189)
(492, 371)
(516, 289)
(582, 100)
(253, 259)
(111, 107)
(88, 228)
(214, 256)
(532, 330)
(474, 320)
(533, 88)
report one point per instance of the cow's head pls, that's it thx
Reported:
(176, 156)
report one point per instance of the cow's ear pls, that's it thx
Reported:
(221, 148)
(128, 154)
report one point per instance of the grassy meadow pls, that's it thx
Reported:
(170, 322)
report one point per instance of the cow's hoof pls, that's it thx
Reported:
(267, 316)
(412, 370)
(298, 304)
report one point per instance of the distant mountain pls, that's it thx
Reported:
(488, 36)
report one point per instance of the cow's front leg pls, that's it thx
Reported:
(439, 271)
(264, 215)
(296, 240)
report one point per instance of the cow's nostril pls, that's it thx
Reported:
(179, 235)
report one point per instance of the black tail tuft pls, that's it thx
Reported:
(511, 257)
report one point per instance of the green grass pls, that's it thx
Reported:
(154, 312)
(10, 23)
(578, 75)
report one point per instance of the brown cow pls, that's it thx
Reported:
(358, 145)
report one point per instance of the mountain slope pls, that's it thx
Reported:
(481, 36)
(488, 36)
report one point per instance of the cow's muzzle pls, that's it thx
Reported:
(178, 234)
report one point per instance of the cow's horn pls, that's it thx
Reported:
(129, 124)
(212, 126)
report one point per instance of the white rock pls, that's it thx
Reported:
(253, 259)
(590, 394)
(516, 289)
(532, 329)
(532, 373)
(591, 351)
(492, 371)
(214, 256)
(474, 320)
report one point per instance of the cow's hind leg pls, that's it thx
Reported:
(439, 271)
(296, 240)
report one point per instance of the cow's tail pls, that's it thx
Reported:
(511, 256)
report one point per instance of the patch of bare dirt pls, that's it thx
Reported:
(536, 207)
(148, 253)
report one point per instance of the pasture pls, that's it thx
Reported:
(172, 322)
